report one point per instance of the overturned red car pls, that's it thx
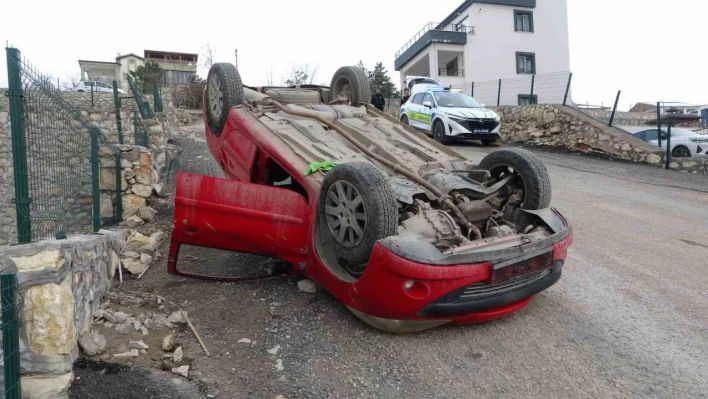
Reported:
(402, 230)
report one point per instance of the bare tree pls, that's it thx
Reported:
(209, 55)
(70, 81)
(269, 76)
(301, 74)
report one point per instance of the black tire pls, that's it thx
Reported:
(681, 151)
(359, 91)
(80, 91)
(224, 77)
(380, 213)
(439, 132)
(532, 174)
(404, 120)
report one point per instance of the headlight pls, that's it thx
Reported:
(497, 118)
(456, 118)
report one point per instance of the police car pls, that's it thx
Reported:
(448, 113)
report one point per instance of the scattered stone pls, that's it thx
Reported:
(130, 353)
(145, 259)
(158, 189)
(130, 254)
(120, 317)
(244, 341)
(134, 266)
(178, 355)
(108, 324)
(182, 370)
(110, 317)
(132, 201)
(146, 213)
(274, 351)
(144, 331)
(308, 286)
(138, 345)
(124, 328)
(177, 317)
(92, 343)
(137, 325)
(168, 343)
(134, 221)
(129, 212)
(279, 365)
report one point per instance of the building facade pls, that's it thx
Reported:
(488, 40)
(128, 63)
(177, 68)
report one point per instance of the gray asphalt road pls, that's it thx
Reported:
(629, 318)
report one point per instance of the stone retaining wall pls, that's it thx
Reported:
(61, 284)
(564, 127)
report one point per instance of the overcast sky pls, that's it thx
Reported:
(651, 50)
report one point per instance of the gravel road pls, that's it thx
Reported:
(629, 318)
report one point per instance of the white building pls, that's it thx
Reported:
(483, 41)
(128, 63)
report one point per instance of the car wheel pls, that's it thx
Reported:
(439, 132)
(531, 175)
(681, 151)
(224, 91)
(350, 84)
(404, 120)
(80, 91)
(357, 208)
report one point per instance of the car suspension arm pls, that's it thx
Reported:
(444, 200)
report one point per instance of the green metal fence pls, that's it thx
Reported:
(9, 300)
(143, 106)
(57, 170)
(140, 136)
(157, 97)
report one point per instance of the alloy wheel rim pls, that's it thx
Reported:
(346, 213)
(216, 96)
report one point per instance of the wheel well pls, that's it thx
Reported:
(439, 119)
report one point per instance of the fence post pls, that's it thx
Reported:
(499, 93)
(116, 105)
(567, 88)
(156, 98)
(472, 91)
(92, 86)
(19, 146)
(533, 80)
(658, 122)
(614, 109)
(135, 128)
(119, 189)
(668, 141)
(95, 193)
(10, 336)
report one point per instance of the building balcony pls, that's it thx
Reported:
(458, 73)
(432, 33)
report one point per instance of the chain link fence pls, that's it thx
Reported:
(55, 158)
(551, 88)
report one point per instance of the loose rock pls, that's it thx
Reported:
(130, 353)
(120, 317)
(145, 259)
(182, 370)
(308, 286)
(138, 345)
(177, 317)
(168, 343)
(244, 341)
(134, 221)
(146, 213)
(92, 343)
(124, 328)
(178, 355)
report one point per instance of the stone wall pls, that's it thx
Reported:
(564, 127)
(8, 226)
(697, 166)
(61, 284)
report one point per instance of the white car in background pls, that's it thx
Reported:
(684, 143)
(450, 114)
(97, 86)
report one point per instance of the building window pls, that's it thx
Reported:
(523, 21)
(525, 99)
(526, 63)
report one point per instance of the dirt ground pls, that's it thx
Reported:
(628, 319)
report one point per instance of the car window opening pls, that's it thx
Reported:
(278, 177)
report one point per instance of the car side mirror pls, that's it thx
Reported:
(427, 104)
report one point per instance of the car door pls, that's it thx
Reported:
(426, 112)
(413, 108)
(237, 216)
(102, 87)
